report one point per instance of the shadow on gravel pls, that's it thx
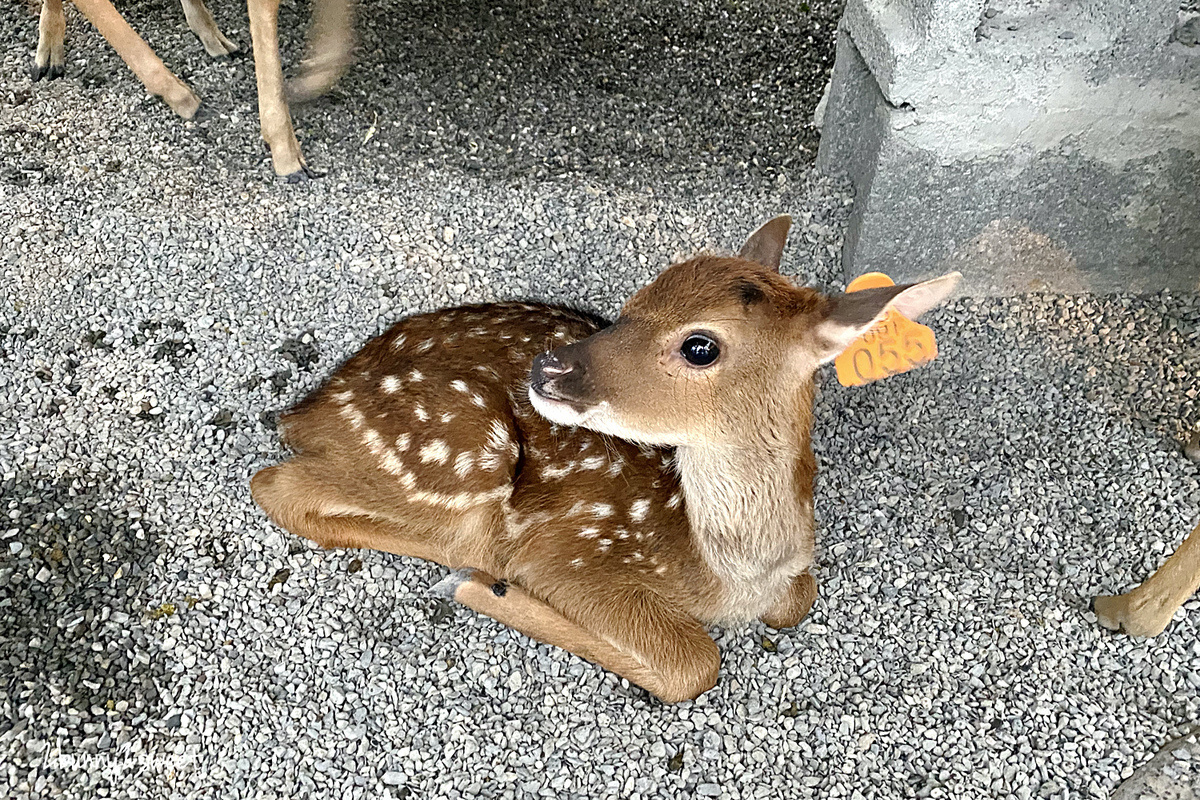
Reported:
(80, 671)
(615, 90)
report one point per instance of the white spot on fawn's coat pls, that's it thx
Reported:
(639, 509)
(462, 500)
(436, 451)
(600, 510)
(373, 441)
(390, 384)
(353, 416)
(497, 435)
(391, 464)
(555, 473)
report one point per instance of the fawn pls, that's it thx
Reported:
(609, 490)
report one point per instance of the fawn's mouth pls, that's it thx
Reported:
(556, 408)
(544, 392)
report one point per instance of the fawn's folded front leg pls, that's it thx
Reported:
(795, 604)
(670, 656)
(1146, 610)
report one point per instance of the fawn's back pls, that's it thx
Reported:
(431, 422)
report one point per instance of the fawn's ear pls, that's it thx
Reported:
(765, 245)
(851, 315)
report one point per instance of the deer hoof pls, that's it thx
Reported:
(48, 71)
(1118, 613)
(302, 175)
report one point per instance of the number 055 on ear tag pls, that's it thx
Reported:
(895, 345)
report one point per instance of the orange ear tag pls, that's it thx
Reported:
(895, 345)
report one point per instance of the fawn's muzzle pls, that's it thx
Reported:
(557, 376)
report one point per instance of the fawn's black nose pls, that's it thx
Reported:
(550, 366)
(556, 376)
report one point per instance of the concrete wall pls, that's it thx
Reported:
(1030, 144)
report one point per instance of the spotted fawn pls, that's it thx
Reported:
(609, 490)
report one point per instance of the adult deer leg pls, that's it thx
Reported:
(201, 22)
(148, 67)
(274, 119)
(1146, 610)
(330, 42)
(52, 27)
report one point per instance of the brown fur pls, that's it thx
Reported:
(427, 443)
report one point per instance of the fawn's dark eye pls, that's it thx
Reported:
(699, 350)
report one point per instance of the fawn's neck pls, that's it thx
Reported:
(750, 507)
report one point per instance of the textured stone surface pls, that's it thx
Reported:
(1067, 134)
(1173, 774)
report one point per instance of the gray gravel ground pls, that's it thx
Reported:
(161, 297)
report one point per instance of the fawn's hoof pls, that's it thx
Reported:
(448, 585)
(795, 606)
(1191, 447)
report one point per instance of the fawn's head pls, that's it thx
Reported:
(707, 352)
